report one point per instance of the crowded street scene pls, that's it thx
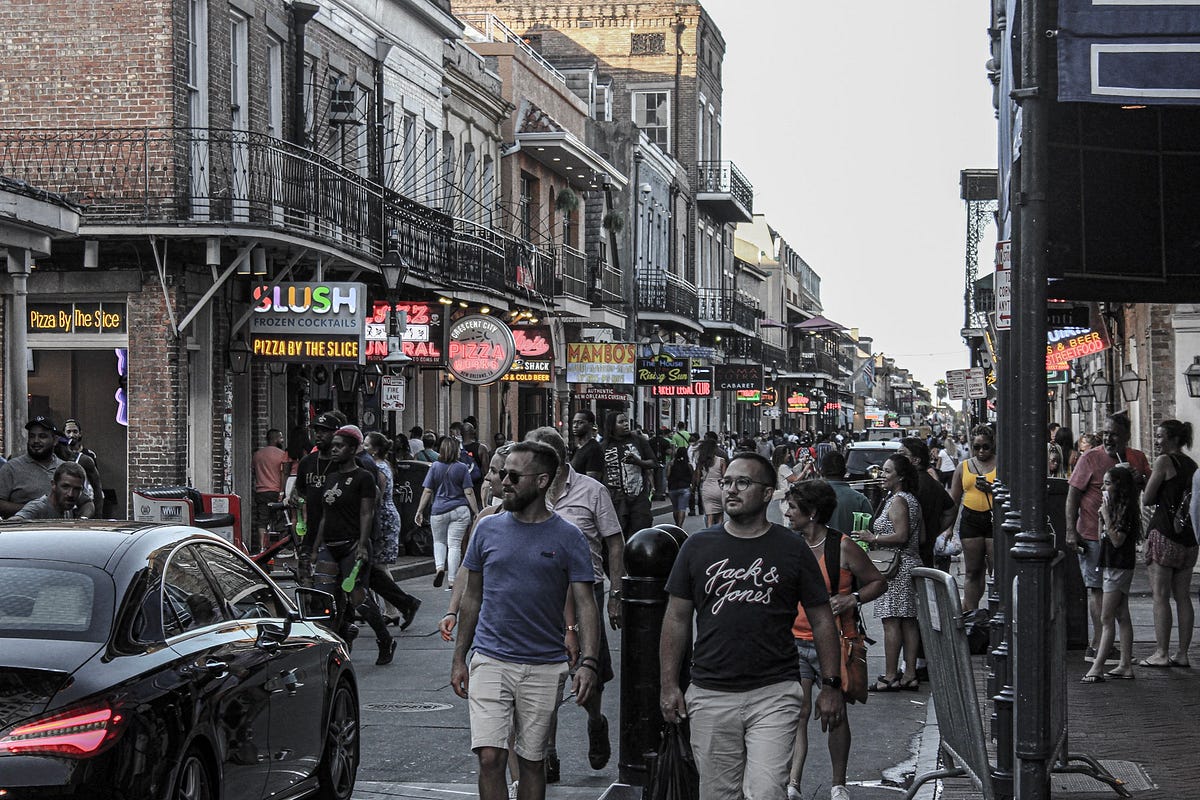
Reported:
(663, 400)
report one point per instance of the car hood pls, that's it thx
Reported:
(32, 672)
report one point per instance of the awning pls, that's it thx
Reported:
(818, 323)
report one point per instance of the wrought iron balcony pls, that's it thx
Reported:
(723, 191)
(666, 293)
(817, 364)
(724, 309)
(204, 176)
(571, 274)
(479, 255)
(773, 355)
(608, 279)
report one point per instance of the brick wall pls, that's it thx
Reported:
(157, 391)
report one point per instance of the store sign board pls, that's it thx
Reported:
(70, 318)
(603, 395)
(534, 362)
(422, 337)
(479, 349)
(594, 362)
(664, 371)
(700, 386)
(306, 321)
(737, 376)
(797, 404)
(1067, 348)
(749, 396)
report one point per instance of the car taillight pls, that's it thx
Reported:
(73, 734)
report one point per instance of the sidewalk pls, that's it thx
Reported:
(1143, 730)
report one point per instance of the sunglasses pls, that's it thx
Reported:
(516, 476)
(981, 447)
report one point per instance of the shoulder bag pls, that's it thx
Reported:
(853, 647)
(886, 558)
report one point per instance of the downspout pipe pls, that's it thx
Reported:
(302, 12)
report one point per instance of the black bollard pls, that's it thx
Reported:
(649, 556)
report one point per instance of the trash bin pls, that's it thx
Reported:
(406, 493)
(199, 518)
(1075, 596)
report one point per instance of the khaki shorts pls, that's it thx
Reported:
(521, 698)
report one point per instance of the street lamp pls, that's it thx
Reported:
(1086, 397)
(347, 379)
(395, 272)
(1131, 385)
(1192, 375)
(1072, 403)
(371, 381)
(1101, 387)
(239, 357)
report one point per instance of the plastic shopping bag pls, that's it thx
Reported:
(675, 776)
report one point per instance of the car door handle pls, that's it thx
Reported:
(215, 667)
(287, 681)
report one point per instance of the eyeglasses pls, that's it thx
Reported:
(516, 476)
(984, 446)
(741, 483)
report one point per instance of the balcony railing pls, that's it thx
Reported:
(666, 292)
(200, 176)
(528, 270)
(722, 179)
(605, 281)
(479, 254)
(571, 274)
(773, 355)
(817, 362)
(745, 347)
(722, 306)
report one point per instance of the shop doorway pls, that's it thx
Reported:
(83, 384)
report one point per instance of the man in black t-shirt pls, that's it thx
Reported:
(310, 481)
(586, 459)
(343, 536)
(744, 580)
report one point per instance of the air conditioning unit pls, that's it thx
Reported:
(343, 106)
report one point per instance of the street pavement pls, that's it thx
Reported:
(416, 737)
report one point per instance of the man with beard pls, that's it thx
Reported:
(743, 580)
(63, 500)
(626, 457)
(25, 477)
(344, 534)
(521, 564)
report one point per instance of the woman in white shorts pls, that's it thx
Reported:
(1120, 531)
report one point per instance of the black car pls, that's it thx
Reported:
(148, 661)
(864, 461)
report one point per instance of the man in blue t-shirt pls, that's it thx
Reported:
(743, 580)
(521, 563)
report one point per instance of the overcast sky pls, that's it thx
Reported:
(852, 120)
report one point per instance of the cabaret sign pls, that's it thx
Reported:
(738, 377)
(480, 349)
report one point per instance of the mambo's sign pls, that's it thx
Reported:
(480, 349)
(701, 386)
(76, 318)
(607, 362)
(663, 371)
(306, 321)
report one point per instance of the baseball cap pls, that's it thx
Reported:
(42, 421)
(351, 432)
(327, 421)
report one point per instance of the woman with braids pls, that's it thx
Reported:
(1120, 531)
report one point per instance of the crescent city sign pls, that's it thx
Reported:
(480, 349)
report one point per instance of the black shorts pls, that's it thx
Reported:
(975, 524)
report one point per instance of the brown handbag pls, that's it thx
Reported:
(853, 648)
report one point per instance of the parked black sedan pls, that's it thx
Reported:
(149, 661)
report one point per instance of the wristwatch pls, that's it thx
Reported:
(834, 681)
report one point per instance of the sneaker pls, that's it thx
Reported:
(512, 790)
(439, 579)
(286, 552)
(1089, 655)
(794, 793)
(839, 793)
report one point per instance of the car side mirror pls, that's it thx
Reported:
(314, 604)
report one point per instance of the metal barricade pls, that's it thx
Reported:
(951, 676)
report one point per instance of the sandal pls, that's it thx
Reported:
(882, 684)
(1145, 662)
(1092, 679)
(1121, 676)
(911, 685)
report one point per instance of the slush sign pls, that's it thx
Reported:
(305, 321)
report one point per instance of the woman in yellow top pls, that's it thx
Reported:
(972, 486)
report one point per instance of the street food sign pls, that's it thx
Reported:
(664, 371)
(601, 362)
(738, 377)
(302, 322)
(479, 349)
(700, 386)
(534, 362)
(1065, 347)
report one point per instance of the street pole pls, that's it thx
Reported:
(1034, 548)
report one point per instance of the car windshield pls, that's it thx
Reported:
(53, 600)
(857, 461)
